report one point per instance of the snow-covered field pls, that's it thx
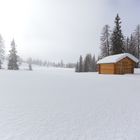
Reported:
(59, 104)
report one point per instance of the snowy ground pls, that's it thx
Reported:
(59, 104)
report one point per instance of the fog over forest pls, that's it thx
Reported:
(64, 29)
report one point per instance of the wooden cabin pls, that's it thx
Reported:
(117, 64)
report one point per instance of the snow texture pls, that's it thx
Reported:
(116, 58)
(59, 104)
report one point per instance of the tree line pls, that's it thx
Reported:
(88, 64)
(114, 41)
(46, 63)
(13, 58)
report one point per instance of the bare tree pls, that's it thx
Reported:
(105, 41)
(2, 51)
(126, 44)
(137, 38)
(132, 46)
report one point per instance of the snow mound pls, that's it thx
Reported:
(116, 58)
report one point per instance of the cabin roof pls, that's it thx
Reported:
(116, 58)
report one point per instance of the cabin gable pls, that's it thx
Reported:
(124, 66)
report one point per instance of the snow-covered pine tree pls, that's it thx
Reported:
(105, 41)
(117, 44)
(2, 51)
(13, 57)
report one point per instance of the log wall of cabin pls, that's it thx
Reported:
(107, 68)
(125, 66)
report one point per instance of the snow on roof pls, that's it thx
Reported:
(116, 58)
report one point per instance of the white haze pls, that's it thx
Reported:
(64, 29)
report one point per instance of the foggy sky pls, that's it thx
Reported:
(62, 29)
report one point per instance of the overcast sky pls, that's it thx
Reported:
(62, 29)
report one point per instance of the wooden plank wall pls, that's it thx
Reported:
(107, 68)
(124, 66)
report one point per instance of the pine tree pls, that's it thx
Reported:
(105, 41)
(88, 63)
(2, 51)
(30, 67)
(61, 64)
(81, 64)
(94, 64)
(77, 67)
(13, 58)
(117, 45)
(29, 61)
